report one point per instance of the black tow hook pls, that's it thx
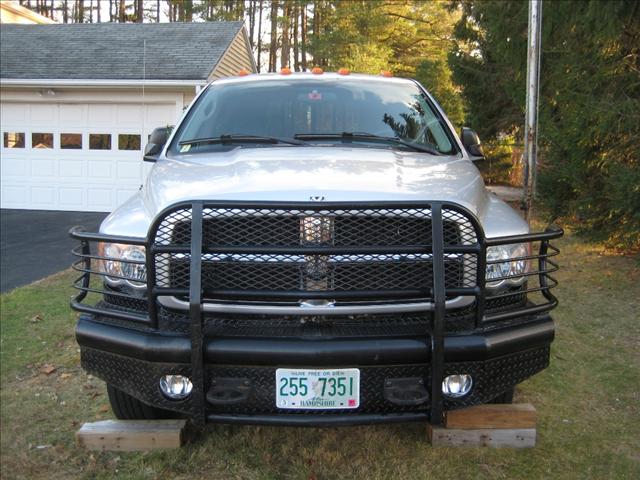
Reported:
(405, 391)
(228, 391)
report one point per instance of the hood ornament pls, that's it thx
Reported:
(317, 198)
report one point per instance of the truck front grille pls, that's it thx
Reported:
(294, 254)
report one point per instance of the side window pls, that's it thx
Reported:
(71, 141)
(434, 132)
(128, 142)
(42, 140)
(13, 140)
(99, 141)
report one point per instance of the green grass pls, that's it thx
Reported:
(588, 402)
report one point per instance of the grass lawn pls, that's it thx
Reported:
(588, 402)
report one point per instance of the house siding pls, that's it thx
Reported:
(236, 58)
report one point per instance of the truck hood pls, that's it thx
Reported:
(299, 173)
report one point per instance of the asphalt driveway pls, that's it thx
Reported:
(34, 243)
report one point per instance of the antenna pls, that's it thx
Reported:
(144, 105)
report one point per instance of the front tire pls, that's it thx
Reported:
(126, 407)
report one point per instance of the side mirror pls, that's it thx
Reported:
(471, 143)
(156, 143)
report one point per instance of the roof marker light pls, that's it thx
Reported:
(285, 71)
(386, 73)
(317, 71)
(243, 72)
(344, 71)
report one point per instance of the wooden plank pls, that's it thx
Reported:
(131, 435)
(482, 437)
(517, 415)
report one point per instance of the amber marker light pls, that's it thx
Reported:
(243, 73)
(285, 71)
(386, 73)
(344, 71)
(317, 71)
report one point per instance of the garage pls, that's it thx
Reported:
(78, 102)
(75, 156)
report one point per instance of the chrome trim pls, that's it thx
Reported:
(270, 309)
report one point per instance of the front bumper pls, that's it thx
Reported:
(133, 361)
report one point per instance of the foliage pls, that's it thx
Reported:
(499, 166)
(589, 102)
(436, 76)
(411, 39)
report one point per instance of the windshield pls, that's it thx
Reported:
(288, 109)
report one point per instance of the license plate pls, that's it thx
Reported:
(317, 389)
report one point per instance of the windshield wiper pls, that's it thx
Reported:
(228, 139)
(367, 137)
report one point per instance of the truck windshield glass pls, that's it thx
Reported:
(289, 109)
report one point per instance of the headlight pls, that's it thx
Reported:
(505, 267)
(131, 266)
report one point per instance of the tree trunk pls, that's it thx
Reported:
(274, 36)
(188, 11)
(295, 34)
(286, 45)
(252, 22)
(98, 11)
(139, 11)
(122, 12)
(303, 37)
(80, 11)
(316, 30)
(259, 35)
(65, 11)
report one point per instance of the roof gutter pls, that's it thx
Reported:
(98, 83)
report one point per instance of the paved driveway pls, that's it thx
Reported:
(35, 244)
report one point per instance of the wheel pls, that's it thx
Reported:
(126, 407)
(506, 397)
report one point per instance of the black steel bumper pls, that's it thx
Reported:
(163, 348)
(134, 360)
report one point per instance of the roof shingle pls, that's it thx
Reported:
(114, 51)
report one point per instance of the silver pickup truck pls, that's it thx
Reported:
(313, 249)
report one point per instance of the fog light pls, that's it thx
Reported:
(456, 386)
(176, 387)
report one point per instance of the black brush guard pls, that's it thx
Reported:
(437, 293)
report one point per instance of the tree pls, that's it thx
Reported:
(286, 45)
(589, 119)
(273, 45)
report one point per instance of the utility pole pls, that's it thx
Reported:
(533, 88)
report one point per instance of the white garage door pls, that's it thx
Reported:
(86, 157)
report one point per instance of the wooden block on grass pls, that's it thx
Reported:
(482, 437)
(131, 435)
(501, 416)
